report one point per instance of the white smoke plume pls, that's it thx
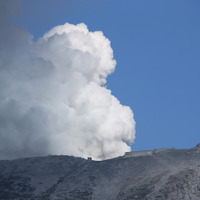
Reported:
(53, 98)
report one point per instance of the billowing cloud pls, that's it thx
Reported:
(53, 95)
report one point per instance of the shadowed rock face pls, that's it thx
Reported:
(167, 174)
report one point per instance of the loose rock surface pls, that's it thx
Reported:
(166, 174)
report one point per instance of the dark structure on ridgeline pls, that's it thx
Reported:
(161, 174)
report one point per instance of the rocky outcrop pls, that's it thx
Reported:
(162, 174)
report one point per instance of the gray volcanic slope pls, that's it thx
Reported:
(167, 174)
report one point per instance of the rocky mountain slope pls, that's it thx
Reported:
(164, 174)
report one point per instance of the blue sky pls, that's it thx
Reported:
(156, 45)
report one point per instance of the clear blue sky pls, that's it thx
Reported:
(157, 47)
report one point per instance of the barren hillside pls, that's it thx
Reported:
(165, 174)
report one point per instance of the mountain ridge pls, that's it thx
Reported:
(164, 174)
